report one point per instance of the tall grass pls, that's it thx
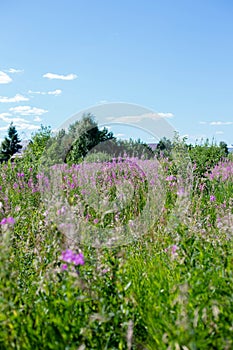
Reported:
(156, 256)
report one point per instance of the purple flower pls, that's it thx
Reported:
(212, 198)
(201, 187)
(20, 174)
(64, 267)
(9, 220)
(67, 255)
(78, 259)
(95, 221)
(180, 192)
(70, 257)
(4, 221)
(170, 178)
(174, 249)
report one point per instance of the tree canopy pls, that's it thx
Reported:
(10, 145)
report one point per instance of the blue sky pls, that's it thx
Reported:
(173, 57)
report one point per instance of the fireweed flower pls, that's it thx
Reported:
(174, 249)
(9, 220)
(64, 267)
(170, 178)
(20, 174)
(212, 198)
(71, 257)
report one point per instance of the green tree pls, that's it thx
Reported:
(224, 147)
(10, 145)
(85, 135)
(205, 156)
(164, 148)
(36, 148)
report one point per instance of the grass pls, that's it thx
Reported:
(158, 268)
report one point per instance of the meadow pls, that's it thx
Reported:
(120, 254)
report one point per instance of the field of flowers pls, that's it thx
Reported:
(125, 254)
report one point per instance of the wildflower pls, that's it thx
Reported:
(70, 257)
(174, 249)
(212, 198)
(78, 259)
(201, 187)
(64, 267)
(180, 192)
(95, 221)
(9, 220)
(20, 174)
(67, 255)
(170, 178)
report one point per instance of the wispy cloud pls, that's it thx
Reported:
(54, 92)
(219, 132)
(203, 123)
(4, 128)
(22, 126)
(20, 123)
(9, 119)
(13, 70)
(4, 78)
(138, 118)
(121, 135)
(4, 116)
(16, 98)
(60, 76)
(166, 115)
(37, 119)
(221, 123)
(28, 110)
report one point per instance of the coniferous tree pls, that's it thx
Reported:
(10, 145)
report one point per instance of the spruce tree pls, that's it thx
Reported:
(10, 145)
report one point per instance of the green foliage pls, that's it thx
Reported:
(36, 147)
(85, 135)
(206, 156)
(171, 288)
(164, 148)
(10, 145)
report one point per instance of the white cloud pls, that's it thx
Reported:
(121, 135)
(28, 110)
(13, 70)
(4, 115)
(16, 98)
(37, 92)
(166, 115)
(37, 119)
(60, 76)
(3, 128)
(203, 123)
(20, 123)
(7, 118)
(27, 126)
(137, 118)
(219, 132)
(221, 123)
(55, 92)
(4, 78)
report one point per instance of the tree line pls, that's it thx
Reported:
(85, 140)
